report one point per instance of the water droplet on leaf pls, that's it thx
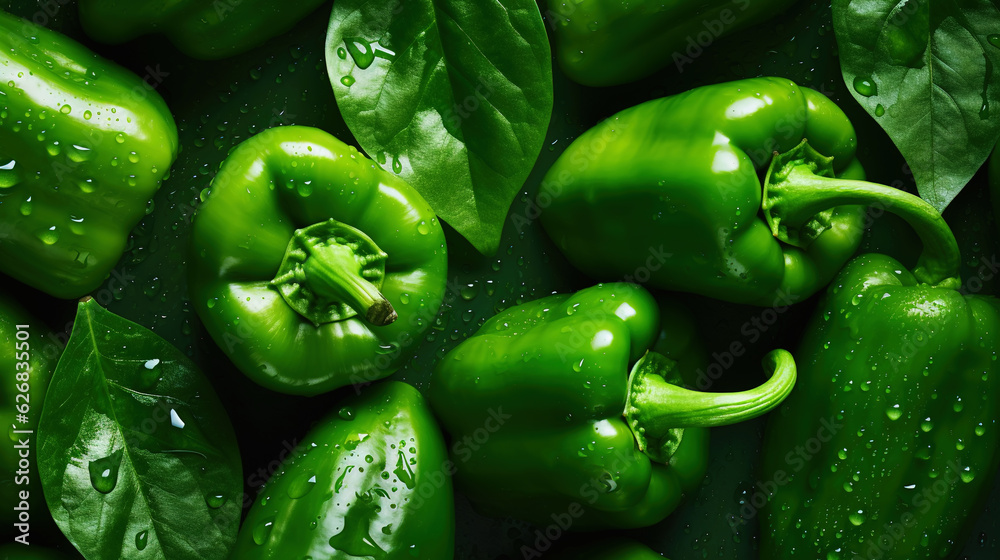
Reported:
(141, 539)
(865, 86)
(104, 472)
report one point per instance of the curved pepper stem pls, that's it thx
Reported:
(800, 185)
(655, 404)
(331, 272)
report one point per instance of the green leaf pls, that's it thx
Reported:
(929, 72)
(454, 96)
(136, 455)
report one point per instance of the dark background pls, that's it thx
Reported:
(218, 104)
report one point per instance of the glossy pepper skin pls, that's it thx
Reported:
(370, 482)
(611, 42)
(896, 412)
(84, 145)
(28, 356)
(667, 193)
(204, 30)
(311, 267)
(614, 549)
(548, 384)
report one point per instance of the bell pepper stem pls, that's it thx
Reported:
(654, 405)
(800, 185)
(332, 270)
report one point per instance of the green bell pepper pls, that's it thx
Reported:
(667, 194)
(84, 145)
(617, 549)
(28, 356)
(304, 256)
(887, 447)
(534, 403)
(370, 481)
(205, 30)
(610, 42)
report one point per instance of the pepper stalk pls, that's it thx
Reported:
(800, 184)
(332, 271)
(656, 404)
